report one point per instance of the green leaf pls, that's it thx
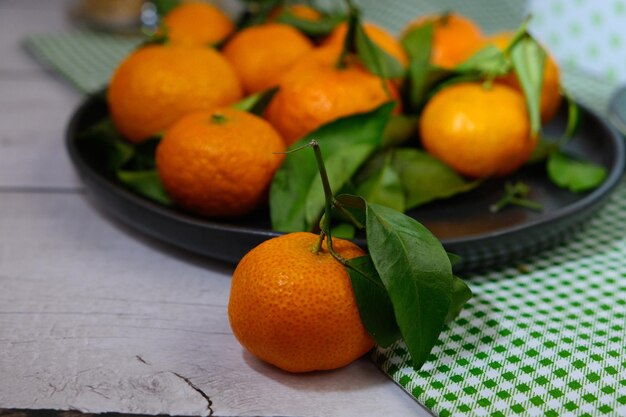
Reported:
(425, 178)
(488, 61)
(380, 183)
(340, 167)
(298, 173)
(145, 183)
(343, 231)
(461, 293)
(400, 129)
(374, 58)
(528, 59)
(256, 103)
(320, 27)
(574, 175)
(416, 271)
(374, 305)
(104, 147)
(421, 75)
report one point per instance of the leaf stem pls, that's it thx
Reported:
(328, 203)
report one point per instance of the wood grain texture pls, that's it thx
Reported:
(95, 317)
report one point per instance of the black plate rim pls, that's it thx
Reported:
(587, 202)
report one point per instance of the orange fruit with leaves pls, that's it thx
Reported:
(295, 308)
(378, 35)
(219, 163)
(455, 38)
(262, 54)
(551, 86)
(478, 131)
(315, 91)
(197, 23)
(157, 84)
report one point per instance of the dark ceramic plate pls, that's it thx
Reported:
(463, 223)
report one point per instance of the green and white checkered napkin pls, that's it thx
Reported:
(546, 342)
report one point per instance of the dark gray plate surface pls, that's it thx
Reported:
(463, 223)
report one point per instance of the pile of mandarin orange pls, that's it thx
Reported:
(217, 161)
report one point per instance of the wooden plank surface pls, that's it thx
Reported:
(98, 318)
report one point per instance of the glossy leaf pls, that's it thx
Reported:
(574, 175)
(426, 178)
(461, 293)
(145, 183)
(421, 75)
(374, 305)
(416, 271)
(528, 59)
(298, 174)
(381, 184)
(340, 167)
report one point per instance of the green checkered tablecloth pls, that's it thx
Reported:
(548, 340)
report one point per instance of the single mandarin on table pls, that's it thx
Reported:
(197, 23)
(157, 84)
(314, 92)
(262, 54)
(219, 163)
(295, 308)
(455, 38)
(551, 86)
(478, 131)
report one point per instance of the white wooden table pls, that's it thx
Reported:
(96, 317)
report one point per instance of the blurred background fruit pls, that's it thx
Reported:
(315, 91)
(157, 84)
(478, 131)
(455, 38)
(219, 163)
(262, 54)
(197, 23)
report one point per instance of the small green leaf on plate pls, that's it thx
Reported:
(145, 183)
(343, 231)
(291, 187)
(574, 174)
(400, 129)
(373, 301)
(426, 178)
(380, 183)
(105, 147)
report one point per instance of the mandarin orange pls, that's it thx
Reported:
(295, 308)
(262, 54)
(455, 38)
(314, 92)
(197, 23)
(219, 163)
(478, 131)
(157, 84)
